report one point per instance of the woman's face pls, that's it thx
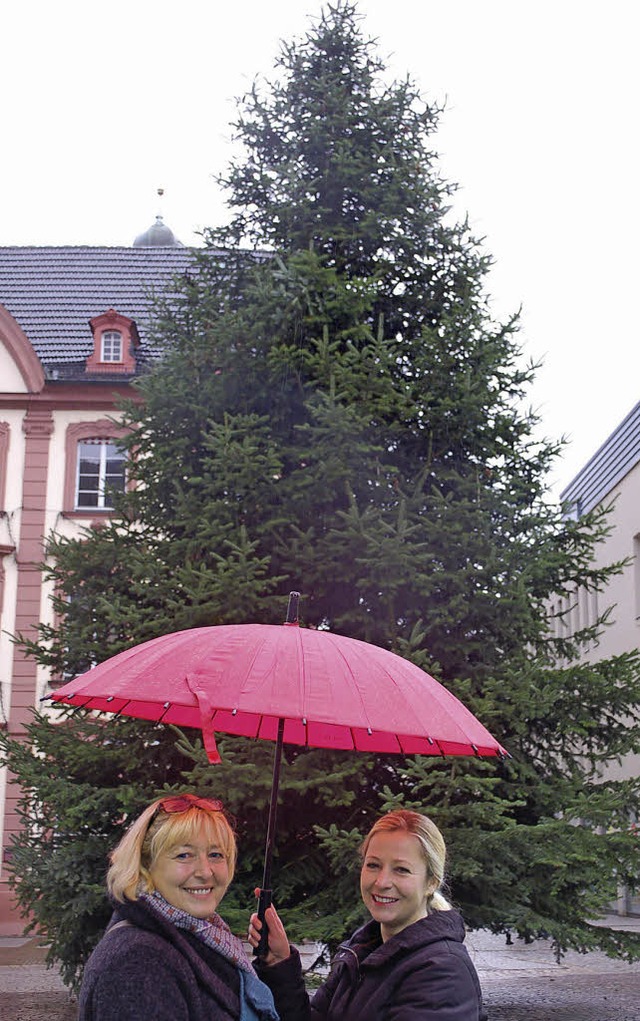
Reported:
(393, 881)
(192, 877)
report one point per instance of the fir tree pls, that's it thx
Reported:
(340, 413)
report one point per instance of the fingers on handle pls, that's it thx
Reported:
(264, 901)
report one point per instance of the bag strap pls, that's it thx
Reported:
(118, 925)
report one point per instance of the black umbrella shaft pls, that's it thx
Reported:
(265, 893)
(292, 618)
(273, 808)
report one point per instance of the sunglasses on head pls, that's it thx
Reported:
(183, 802)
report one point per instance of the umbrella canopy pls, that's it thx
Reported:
(330, 691)
(285, 684)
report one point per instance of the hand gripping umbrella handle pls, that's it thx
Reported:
(264, 901)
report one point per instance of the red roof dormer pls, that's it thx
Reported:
(115, 339)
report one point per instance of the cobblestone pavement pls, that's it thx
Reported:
(524, 983)
(520, 983)
(600, 998)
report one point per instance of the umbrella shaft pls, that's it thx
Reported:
(273, 807)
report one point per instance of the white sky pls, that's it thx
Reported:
(101, 104)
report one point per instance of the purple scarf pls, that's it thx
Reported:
(213, 931)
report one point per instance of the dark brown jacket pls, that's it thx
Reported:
(424, 973)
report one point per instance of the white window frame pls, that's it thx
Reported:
(105, 483)
(111, 346)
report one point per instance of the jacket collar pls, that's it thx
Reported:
(366, 943)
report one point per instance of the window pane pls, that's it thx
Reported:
(89, 464)
(87, 499)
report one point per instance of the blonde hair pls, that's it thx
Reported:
(156, 831)
(431, 842)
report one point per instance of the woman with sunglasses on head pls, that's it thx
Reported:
(166, 954)
(408, 963)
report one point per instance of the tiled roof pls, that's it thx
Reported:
(54, 292)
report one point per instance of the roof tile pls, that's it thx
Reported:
(53, 293)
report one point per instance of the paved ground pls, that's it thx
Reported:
(520, 983)
(524, 983)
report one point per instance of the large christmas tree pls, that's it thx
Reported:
(336, 411)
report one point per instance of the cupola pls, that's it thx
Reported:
(157, 236)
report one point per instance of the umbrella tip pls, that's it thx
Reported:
(292, 608)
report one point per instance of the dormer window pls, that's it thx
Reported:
(115, 339)
(111, 346)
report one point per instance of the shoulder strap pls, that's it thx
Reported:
(118, 925)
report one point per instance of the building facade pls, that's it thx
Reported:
(75, 331)
(612, 477)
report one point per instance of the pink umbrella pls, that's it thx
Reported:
(287, 684)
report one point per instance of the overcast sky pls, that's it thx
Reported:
(101, 104)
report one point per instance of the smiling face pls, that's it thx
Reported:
(393, 881)
(193, 876)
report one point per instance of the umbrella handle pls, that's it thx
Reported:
(264, 901)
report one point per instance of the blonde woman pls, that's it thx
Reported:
(167, 955)
(408, 963)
